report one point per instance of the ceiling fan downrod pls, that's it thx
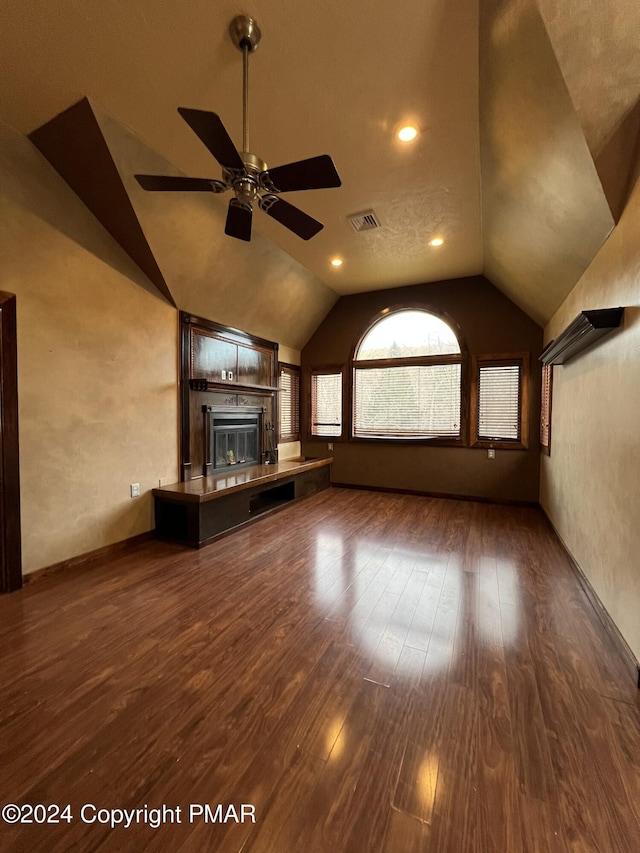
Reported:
(245, 34)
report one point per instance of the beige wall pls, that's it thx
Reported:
(97, 367)
(590, 485)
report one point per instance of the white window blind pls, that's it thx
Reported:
(289, 403)
(326, 404)
(499, 402)
(407, 401)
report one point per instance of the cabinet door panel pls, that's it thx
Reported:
(211, 356)
(255, 367)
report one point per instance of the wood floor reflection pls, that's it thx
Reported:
(375, 673)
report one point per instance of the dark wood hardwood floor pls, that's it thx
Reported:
(374, 673)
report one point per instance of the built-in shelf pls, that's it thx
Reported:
(197, 511)
(584, 331)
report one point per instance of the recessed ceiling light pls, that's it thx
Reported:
(407, 133)
(336, 262)
(436, 241)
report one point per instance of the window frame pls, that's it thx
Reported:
(295, 372)
(523, 361)
(462, 359)
(326, 370)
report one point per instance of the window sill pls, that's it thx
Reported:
(499, 445)
(421, 441)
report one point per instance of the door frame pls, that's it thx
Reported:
(10, 540)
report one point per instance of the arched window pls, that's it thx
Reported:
(407, 378)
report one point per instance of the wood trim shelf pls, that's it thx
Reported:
(581, 333)
(231, 387)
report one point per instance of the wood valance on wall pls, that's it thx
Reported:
(226, 368)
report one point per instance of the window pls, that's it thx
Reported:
(407, 374)
(499, 400)
(289, 402)
(326, 403)
(545, 408)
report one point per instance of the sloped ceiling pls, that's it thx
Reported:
(545, 214)
(557, 150)
(596, 45)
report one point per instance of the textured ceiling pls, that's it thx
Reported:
(337, 78)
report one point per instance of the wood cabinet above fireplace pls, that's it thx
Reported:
(219, 356)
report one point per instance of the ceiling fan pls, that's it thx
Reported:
(244, 173)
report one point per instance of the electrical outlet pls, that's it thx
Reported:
(230, 376)
(330, 445)
(135, 490)
(491, 454)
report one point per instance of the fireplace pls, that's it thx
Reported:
(235, 439)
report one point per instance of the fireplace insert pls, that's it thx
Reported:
(235, 439)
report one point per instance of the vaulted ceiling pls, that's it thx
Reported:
(528, 112)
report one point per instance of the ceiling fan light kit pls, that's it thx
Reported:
(243, 172)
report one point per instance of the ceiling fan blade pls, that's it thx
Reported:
(177, 184)
(239, 218)
(208, 126)
(316, 173)
(291, 217)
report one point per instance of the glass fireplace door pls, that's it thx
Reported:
(235, 441)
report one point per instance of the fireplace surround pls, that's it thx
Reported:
(229, 399)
